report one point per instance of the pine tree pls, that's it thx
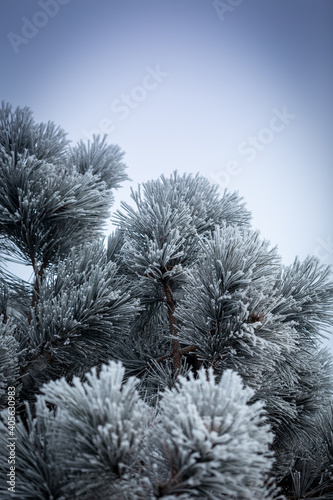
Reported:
(181, 359)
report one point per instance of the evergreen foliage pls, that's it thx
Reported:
(181, 360)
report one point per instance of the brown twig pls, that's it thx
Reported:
(39, 275)
(170, 354)
(171, 304)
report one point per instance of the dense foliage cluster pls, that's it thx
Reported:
(180, 360)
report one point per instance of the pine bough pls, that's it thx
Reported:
(181, 360)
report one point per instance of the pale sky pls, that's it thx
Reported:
(238, 90)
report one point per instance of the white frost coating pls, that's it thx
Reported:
(215, 440)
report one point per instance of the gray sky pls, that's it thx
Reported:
(238, 90)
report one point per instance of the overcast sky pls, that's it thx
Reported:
(238, 90)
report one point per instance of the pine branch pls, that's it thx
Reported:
(171, 304)
(39, 275)
(170, 354)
